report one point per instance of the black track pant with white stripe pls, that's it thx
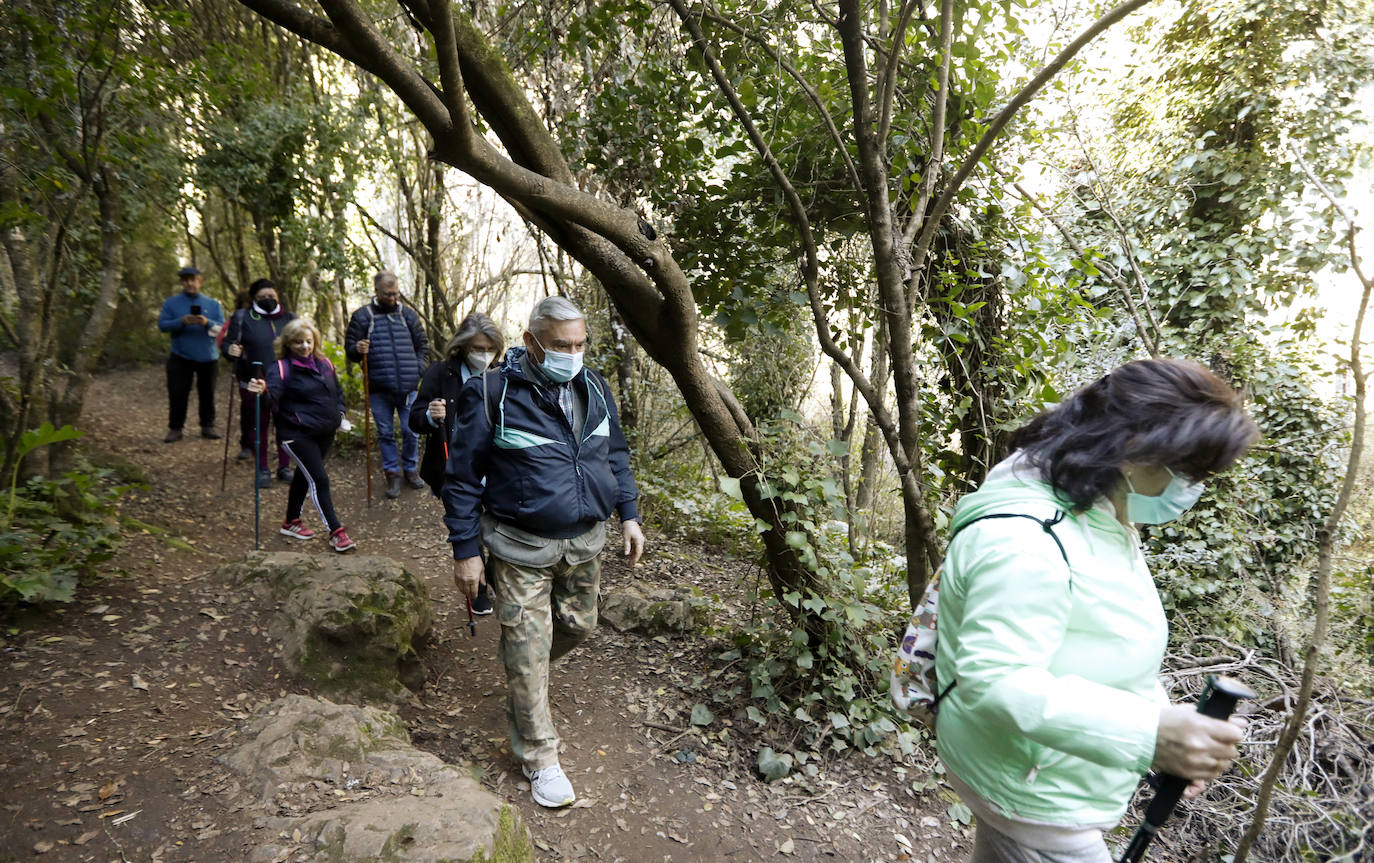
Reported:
(308, 452)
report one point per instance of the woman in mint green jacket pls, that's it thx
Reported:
(1056, 710)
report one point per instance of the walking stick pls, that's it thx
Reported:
(1219, 702)
(367, 429)
(472, 624)
(228, 424)
(257, 432)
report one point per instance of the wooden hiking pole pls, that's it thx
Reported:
(228, 424)
(367, 427)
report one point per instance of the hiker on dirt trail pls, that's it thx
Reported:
(537, 463)
(391, 337)
(252, 332)
(1051, 634)
(305, 392)
(194, 321)
(473, 350)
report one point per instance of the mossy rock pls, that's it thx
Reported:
(349, 625)
(369, 794)
(655, 611)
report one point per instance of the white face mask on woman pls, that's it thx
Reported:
(478, 361)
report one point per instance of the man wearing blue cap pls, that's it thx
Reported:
(193, 321)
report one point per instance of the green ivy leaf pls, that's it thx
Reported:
(774, 766)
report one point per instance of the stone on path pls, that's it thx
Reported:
(364, 793)
(349, 624)
(654, 611)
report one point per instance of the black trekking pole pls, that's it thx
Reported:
(1219, 702)
(257, 447)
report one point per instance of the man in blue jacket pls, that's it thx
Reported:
(536, 465)
(194, 321)
(389, 335)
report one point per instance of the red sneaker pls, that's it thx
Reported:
(296, 529)
(339, 541)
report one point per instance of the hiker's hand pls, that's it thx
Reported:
(257, 386)
(467, 575)
(437, 409)
(194, 320)
(1196, 787)
(363, 346)
(234, 350)
(1194, 746)
(634, 540)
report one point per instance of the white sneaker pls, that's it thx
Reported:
(550, 786)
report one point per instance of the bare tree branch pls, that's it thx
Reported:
(1107, 269)
(1043, 77)
(841, 146)
(937, 130)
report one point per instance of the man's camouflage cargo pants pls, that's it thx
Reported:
(544, 613)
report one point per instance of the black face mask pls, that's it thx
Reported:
(267, 304)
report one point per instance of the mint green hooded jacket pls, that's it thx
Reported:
(1056, 704)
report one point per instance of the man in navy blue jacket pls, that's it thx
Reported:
(194, 321)
(536, 465)
(391, 337)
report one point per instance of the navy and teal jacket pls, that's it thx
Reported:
(256, 332)
(306, 395)
(398, 351)
(537, 476)
(192, 342)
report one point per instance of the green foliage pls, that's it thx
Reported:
(61, 531)
(29, 441)
(1226, 564)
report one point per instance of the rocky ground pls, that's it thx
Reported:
(114, 709)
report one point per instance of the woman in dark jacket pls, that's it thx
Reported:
(250, 337)
(476, 347)
(305, 392)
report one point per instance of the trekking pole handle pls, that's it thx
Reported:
(1218, 701)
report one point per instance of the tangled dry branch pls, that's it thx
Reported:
(1323, 808)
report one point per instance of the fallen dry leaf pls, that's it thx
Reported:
(107, 790)
(85, 837)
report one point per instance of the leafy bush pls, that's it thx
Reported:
(55, 530)
(61, 530)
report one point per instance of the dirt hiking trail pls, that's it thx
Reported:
(114, 709)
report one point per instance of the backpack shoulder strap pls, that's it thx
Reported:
(284, 372)
(1046, 524)
(487, 385)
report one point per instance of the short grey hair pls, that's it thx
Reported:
(474, 325)
(385, 277)
(552, 309)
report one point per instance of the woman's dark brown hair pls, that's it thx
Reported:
(1162, 412)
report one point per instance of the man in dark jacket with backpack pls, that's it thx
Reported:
(388, 337)
(537, 464)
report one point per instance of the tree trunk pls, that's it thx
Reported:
(72, 395)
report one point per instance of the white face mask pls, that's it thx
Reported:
(478, 361)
